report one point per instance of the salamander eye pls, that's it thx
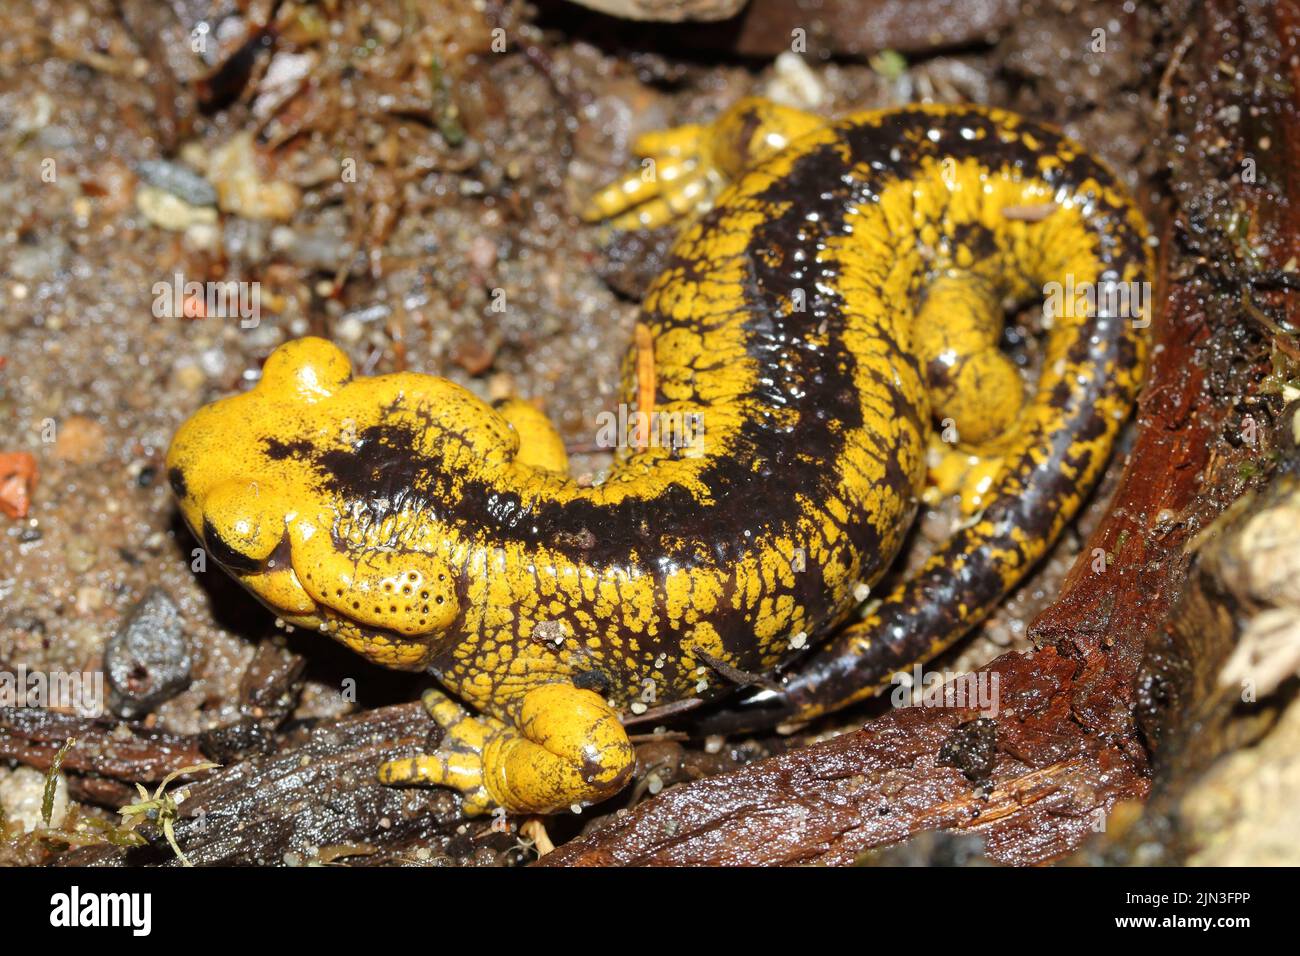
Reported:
(243, 524)
(176, 478)
(224, 553)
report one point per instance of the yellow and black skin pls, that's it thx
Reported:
(838, 299)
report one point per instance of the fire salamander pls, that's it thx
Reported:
(833, 303)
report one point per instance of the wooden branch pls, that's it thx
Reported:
(316, 796)
(1048, 788)
(119, 751)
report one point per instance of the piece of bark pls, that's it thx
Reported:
(126, 752)
(322, 792)
(317, 796)
(268, 692)
(271, 683)
(1214, 141)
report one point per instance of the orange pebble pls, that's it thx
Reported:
(17, 478)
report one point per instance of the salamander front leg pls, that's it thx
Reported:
(684, 168)
(568, 747)
(458, 761)
(540, 445)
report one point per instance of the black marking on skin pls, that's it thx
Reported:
(771, 463)
(804, 459)
(176, 478)
(976, 237)
(593, 680)
(278, 450)
(383, 471)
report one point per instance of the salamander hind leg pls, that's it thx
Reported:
(975, 388)
(683, 169)
(976, 392)
(567, 747)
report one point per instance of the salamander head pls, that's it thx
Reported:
(319, 493)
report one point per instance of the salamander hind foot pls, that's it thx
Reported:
(567, 748)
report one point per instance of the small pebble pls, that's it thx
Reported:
(241, 189)
(22, 793)
(202, 237)
(169, 212)
(188, 377)
(17, 481)
(178, 180)
(482, 253)
(80, 554)
(500, 386)
(350, 330)
(89, 599)
(148, 660)
(795, 84)
(79, 440)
